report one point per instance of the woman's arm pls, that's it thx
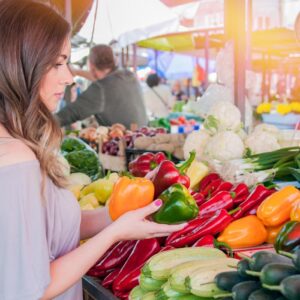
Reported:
(93, 221)
(68, 269)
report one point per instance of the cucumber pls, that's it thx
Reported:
(263, 294)
(274, 273)
(294, 256)
(167, 292)
(289, 287)
(179, 273)
(160, 265)
(136, 293)
(149, 284)
(242, 290)
(242, 267)
(227, 280)
(262, 258)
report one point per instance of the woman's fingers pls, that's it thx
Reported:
(150, 208)
(163, 228)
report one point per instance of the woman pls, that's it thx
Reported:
(40, 222)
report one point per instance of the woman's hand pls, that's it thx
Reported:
(135, 226)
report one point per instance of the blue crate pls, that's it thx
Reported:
(288, 121)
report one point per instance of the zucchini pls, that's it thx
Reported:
(149, 284)
(189, 297)
(136, 293)
(274, 273)
(263, 294)
(227, 280)
(294, 256)
(149, 296)
(160, 265)
(206, 290)
(262, 258)
(179, 273)
(289, 287)
(167, 292)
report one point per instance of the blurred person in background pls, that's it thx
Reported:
(115, 95)
(158, 98)
(178, 92)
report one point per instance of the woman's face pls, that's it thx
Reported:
(58, 77)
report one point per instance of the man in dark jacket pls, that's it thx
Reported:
(115, 95)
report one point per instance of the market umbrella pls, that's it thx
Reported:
(129, 21)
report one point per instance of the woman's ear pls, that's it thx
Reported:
(297, 27)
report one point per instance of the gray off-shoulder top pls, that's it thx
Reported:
(34, 231)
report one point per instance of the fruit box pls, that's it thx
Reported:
(251, 250)
(111, 162)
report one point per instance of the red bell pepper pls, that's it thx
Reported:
(213, 226)
(146, 162)
(199, 197)
(207, 240)
(209, 190)
(258, 195)
(190, 226)
(224, 186)
(222, 200)
(128, 276)
(167, 174)
(109, 279)
(115, 256)
(207, 180)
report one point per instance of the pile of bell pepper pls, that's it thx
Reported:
(219, 214)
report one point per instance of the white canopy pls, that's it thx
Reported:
(129, 21)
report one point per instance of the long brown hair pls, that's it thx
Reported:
(31, 38)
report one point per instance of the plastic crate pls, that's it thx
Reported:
(93, 290)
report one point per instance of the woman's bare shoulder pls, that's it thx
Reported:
(13, 151)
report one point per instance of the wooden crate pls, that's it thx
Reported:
(110, 162)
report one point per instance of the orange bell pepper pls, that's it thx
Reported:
(276, 209)
(130, 194)
(245, 232)
(272, 233)
(295, 212)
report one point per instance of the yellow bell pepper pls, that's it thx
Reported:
(245, 232)
(130, 194)
(272, 233)
(295, 212)
(276, 209)
(196, 172)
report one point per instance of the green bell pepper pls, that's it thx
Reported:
(178, 205)
(288, 239)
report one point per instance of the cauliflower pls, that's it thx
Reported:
(225, 146)
(227, 115)
(266, 128)
(196, 141)
(262, 141)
